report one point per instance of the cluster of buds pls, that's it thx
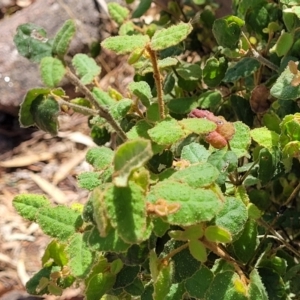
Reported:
(224, 132)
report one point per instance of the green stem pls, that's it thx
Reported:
(175, 251)
(158, 81)
(102, 111)
(79, 108)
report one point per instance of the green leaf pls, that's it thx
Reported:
(198, 250)
(197, 125)
(189, 71)
(88, 180)
(177, 292)
(80, 256)
(142, 90)
(256, 288)
(195, 205)
(55, 252)
(283, 44)
(44, 112)
(283, 88)
(232, 216)
(100, 158)
(171, 36)
(125, 44)
(60, 222)
(210, 100)
(63, 38)
(265, 138)
(182, 105)
(241, 140)
(126, 276)
(217, 234)
(166, 132)
(120, 108)
(129, 157)
(198, 284)
(52, 71)
(32, 42)
(126, 209)
(110, 243)
(195, 153)
(226, 33)
(152, 113)
(117, 12)
(196, 176)
(244, 247)
(144, 68)
(214, 71)
(159, 227)
(227, 286)
(243, 68)
(98, 285)
(103, 98)
(266, 166)
(141, 9)
(163, 282)
(27, 205)
(86, 68)
(25, 116)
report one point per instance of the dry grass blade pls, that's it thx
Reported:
(23, 161)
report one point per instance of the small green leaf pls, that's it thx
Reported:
(102, 97)
(166, 132)
(88, 180)
(55, 252)
(142, 90)
(52, 71)
(129, 157)
(60, 222)
(27, 205)
(283, 88)
(244, 247)
(63, 38)
(197, 125)
(171, 36)
(110, 243)
(189, 71)
(86, 68)
(117, 12)
(198, 284)
(214, 71)
(195, 153)
(198, 250)
(152, 113)
(283, 44)
(243, 68)
(163, 282)
(126, 276)
(256, 288)
(141, 9)
(98, 285)
(44, 112)
(32, 42)
(100, 158)
(265, 138)
(126, 209)
(241, 139)
(217, 234)
(145, 68)
(266, 166)
(226, 33)
(182, 105)
(120, 108)
(25, 116)
(232, 216)
(125, 44)
(80, 256)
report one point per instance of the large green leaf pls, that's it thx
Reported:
(265, 137)
(163, 282)
(241, 139)
(256, 287)
(195, 153)
(126, 209)
(195, 204)
(60, 222)
(52, 71)
(197, 125)
(80, 256)
(32, 42)
(129, 157)
(63, 38)
(27, 205)
(171, 36)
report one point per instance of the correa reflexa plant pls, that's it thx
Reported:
(195, 181)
